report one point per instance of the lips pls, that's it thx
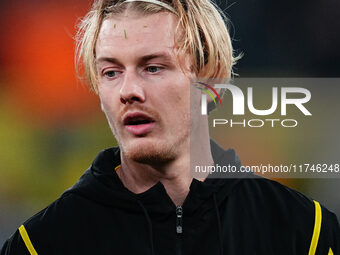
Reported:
(138, 124)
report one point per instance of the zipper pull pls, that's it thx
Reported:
(179, 214)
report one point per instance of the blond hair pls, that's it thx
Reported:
(205, 35)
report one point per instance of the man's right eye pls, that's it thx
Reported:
(111, 74)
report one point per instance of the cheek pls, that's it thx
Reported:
(110, 111)
(178, 107)
(106, 96)
(177, 102)
(108, 104)
(179, 92)
(103, 102)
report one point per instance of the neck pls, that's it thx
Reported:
(175, 175)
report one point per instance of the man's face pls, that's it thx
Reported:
(142, 88)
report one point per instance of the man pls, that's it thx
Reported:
(140, 57)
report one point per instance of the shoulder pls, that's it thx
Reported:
(58, 215)
(270, 193)
(294, 211)
(266, 190)
(271, 201)
(38, 233)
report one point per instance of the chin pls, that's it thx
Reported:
(148, 152)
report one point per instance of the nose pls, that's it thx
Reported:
(132, 89)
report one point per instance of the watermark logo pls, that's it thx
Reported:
(204, 97)
(243, 100)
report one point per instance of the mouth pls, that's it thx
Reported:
(138, 124)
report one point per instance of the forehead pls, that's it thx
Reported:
(131, 34)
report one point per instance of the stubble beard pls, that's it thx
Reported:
(150, 153)
(157, 152)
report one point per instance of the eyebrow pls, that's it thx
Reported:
(143, 59)
(161, 55)
(107, 59)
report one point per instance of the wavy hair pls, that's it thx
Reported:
(205, 35)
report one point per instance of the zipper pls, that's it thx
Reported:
(179, 229)
(179, 214)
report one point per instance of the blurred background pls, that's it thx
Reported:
(52, 127)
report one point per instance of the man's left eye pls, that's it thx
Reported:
(153, 69)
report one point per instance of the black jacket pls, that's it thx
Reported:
(98, 215)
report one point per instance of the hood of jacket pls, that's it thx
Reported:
(101, 184)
